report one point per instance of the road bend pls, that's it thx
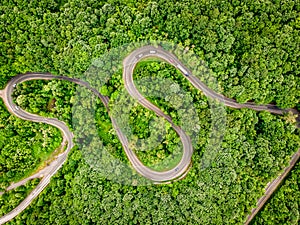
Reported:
(129, 64)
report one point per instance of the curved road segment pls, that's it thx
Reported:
(129, 64)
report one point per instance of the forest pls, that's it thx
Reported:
(10, 199)
(251, 49)
(283, 208)
(243, 159)
(25, 146)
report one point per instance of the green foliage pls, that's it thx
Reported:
(283, 208)
(252, 48)
(11, 199)
(250, 45)
(224, 193)
(24, 146)
(46, 98)
(107, 134)
(229, 187)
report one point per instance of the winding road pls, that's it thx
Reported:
(129, 64)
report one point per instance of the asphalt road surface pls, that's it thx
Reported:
(129, 64)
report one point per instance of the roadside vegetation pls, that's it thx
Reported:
(251, 48)
(230, 187)
(11, 199)
(256, 147)
(284, 206)
(24, 146)
(46, 98)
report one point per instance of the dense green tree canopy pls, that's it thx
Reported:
(252, 49)
(283, 208)
(24, 146)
